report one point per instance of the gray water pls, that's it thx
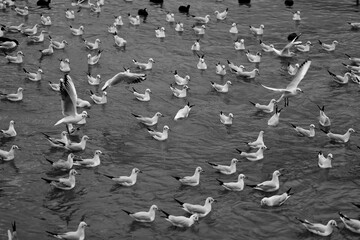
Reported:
(318, 194)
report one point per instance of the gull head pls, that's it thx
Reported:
(73, 172)
(263, 148)
(20, 89)
(272, 101)
(351, 130)
(20, 53)
(264, 201)
(81, 28)
(277, 173)
(13, 147)
(148, 90)
(154, 207)
(231, 115)
(194, 217)
(158, 114)
(71, 155)
(234, 160)
(330, 156)
(82, 225)
(186, 87)
(199, 170)
(262, 26)
(228, 83)
(85, 138)
(84, 114)
(166, 128)
(299, 90)
(308, 43)
(210, 200)
(241, 177)
(233, 25)
(67, 60)
(98, 152)
(136, 171)
(312, 126)
(332, 223)
(152, 60)
(12, 122)
(40, 71)
(335, 42)
(98, 40)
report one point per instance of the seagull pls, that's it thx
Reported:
(234, 68)
(8, 155)
(227, 120)
(179, 27)
(148, 121)
(196, 45)
(30, 31)
(200, 210)
(119, 41)
(253, 156)
(68, 103)
(253, 58)
(64, 65)
(160, 32)
(201, 64)
(143, 216)
(292, 88)
(12, 234)
(34, 76)
(234, 186)
(265, 108)
(350, 223)
(265, 47)
(248, 74)
(221, 15)
(274, 120)
(92, 45)
(259, 142)
(200, 30)
(118, 21)
(22, 11)
(79, 234)
(233, 28)
(221, 88)
(18, 58)
(268, 186)
(14, 97)
(93, 81)
(329, 47)
(112, 28)
(10, 132)
(220, 69)
(54, 86)
(77, 146)
(181, 80)
(69, 14)
(89, 162)
(340, 79)
(355, 60)
(77, 31)
(63, 183)
(170, 17)
(160, 136)
(39, 38)
(8, 43)
(180, 93)
(126, 181)
(126, 76)
(224, 169)
(304, 132)
(46, 21)
(239, 44)
(60, 142)
(183, 112)
(92, 60)
(296, 16)
(257, 31)
(143, 97)
(342, 138)
(63, 164)
(181, 221)
(99, 99)
(276, 200)
(354, 25)
(200, 20)
(304, 48)
(324, 120)
(285, 52)
(324, 162)
(82, 103)
(47, 51)
(318, 228)
(355, 68)
(292, 70)
(134, 20)
(144, 66)
(15, 29)
(193, 180)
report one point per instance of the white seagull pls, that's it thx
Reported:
(63, 183)
(179, 27)
(234, 186)
(324, 162)
(296, 16)
(205, 19)
(14, 97)
(99, 99)
(160, 136)
(92, 60)
(34, 76)
(318, 228)
(200, 30)
(221, 15)
(126, 76)
(329, 47)
(8, 155)
(253, 156)
(253, 58)
(148, 121)
(239, 44)
(181, 80)
(220, 69)
(193, 180)
(304, 132)
(225, 169)
(92, 45)
(196, 45)
(77, 146)
(324, 120)
(200, 210)
(183, 112)
(160, 32)
(10, 132)
(226, 119)
(269, 186)
(201, 64)
(70, 14)
(259, 142)
(148, 216)
(265, 47)
(94, 81)
(233, 28)
(339, 78)
(181, 221)
(144, 66)
(119, 41)
(221, 88)
(89, 162)
(265, 108)
(63, 164)
(77, 31)
(126, 181)
(292, 69)
(342, 138)
(58, 142)
(276, 200)
(304, 48)
(79, 234)
(143, 97)
(350, 223)
(274, 120)
(12, 234)
(64, 65)
(257, 31)
(18, 58)
(180, 93)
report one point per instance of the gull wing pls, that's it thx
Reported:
(266, 185)
(195, 208)
(142, 216)
(68, 96)
(124, 179)
(275, 89)
(126, 77)
(300, 74)
(290, 44)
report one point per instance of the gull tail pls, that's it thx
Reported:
(238, 150)
(47, 136)
(51, 233)
(288, 192)
(26, 71)
(344, 216)
(302, 221)
(332, 74)
(166, 214)
(356, 204)
(220, 182)
(326, 132)
(251, 185)
(212, 164)
(48, 181)
(347, 55)
(135, 115)
(252, 103)
(177, 178)
(180, 202)
(127, 212)
(293, 125)
(109, 176)
(49, 160)
(320, 42)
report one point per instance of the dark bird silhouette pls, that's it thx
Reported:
(44, 3)
(184, 9)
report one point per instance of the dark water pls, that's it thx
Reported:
(319, 194)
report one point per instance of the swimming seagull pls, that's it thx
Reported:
(112, 28)
(257, 31)
(201, 63)
(193, 180)
(18, 58)
(304, 132)
(70, 14)
(341, 138)
(354, 68)
(89, 162)
(179, 27)
(265, 108)
(183, 112)
(99, 99)
(134, 20)
(318, 228)
(46, 21)
(57, 44)
(14, 97)
(30, 31)
(143, 216)
(350, 223)
(292, 69)
(304, 48)
(226, 119)
(77, 146)
(63, 164)
(77, 31)
(10, 132)
(196, 45)
(15, 28)
(92, 45)
(144, 66)
(276, 200)
(12, 234)
(221, 88)
(220, 69)
(253, 58)
(205, 19)
(126, 76)
(36, 76)
(22, 11)
(181, 80)
(274, 120)
(200, 30)
(253, 156)
(225, 169)
(92, 60)
(248, 74)
(181, 221)
(160, 32)
(148, 121)
(292, 88)
(63, 183)
(259, 142)
(324, 162)
(233, 28)
(58, 142)
(265, 47)
(285, 52)
(234, 186)
(221, 15)
(268, 186)
(143, 97)
(200, 210)
(8, 43)
(170, 17)
(119, 41)
(234, 68)
(354, 25)
(64, 65)
(94, 81)
(355, 60)
(340, 79)
(296, 16)
(160, 136)
(79, 234)
(47, 51)
(180, 93)
(8, 155)
(329, 47)
(324, 120)
(118, 21)
(68, 103)
(38, 38)
(239, 44)
(126, 181)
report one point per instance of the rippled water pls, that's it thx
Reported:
(319, 194)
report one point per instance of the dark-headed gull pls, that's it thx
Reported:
(318, 228)
(79, 234)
